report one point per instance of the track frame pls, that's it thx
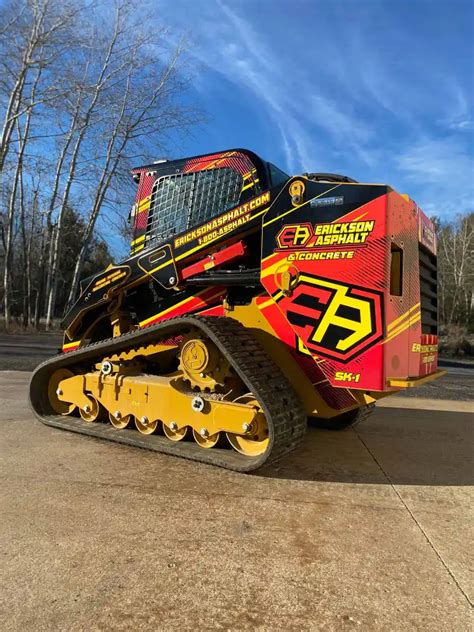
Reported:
(284, 412)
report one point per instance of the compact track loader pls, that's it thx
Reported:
(251, 300)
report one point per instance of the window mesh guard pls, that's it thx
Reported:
(185, 200)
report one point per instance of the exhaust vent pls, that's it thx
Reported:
(428, 291)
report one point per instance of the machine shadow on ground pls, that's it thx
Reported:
(395, 446)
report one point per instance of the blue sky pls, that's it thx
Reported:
(378, 90)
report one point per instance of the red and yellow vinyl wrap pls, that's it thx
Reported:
(334, 293)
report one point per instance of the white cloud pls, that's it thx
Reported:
(237, 50)
(249, 62)
(311, 121)
(433, 160)
(461, 124)
(444, 172)
(348, 98)
(459, 116)
(344, 126)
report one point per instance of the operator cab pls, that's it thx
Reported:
(176, 196)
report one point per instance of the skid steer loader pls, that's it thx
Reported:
(251, 300)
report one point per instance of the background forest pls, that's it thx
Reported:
(87, 91)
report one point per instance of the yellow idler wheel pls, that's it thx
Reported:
(54, 391)
(173, 433)
(120, 422)
(204, 439)
(90, 412)
(254, 439)
(145, 426)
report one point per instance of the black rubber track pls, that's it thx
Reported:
(284, 411)
(345, 420)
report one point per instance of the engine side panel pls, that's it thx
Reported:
(329, 263)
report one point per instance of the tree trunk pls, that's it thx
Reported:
(101, 81)
(11, 206)
(24, 241)
(47, 253)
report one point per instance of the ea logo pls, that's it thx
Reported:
(334, 320)
(296, 190)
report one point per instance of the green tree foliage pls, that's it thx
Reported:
(24, 301)
(98, 256)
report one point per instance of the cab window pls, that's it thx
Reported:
(184, 200)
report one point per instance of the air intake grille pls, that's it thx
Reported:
(428, 291)
(185, 200)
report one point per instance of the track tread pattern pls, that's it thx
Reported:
(284, 411)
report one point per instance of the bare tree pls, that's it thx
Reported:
(38, 27)
(23, 139)
(144, 110)
(456, 270)
(46, 251)
(105, 75)
(28, 221)
(81, 101)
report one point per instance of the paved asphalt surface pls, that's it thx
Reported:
(23, 352)
(367, 529)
